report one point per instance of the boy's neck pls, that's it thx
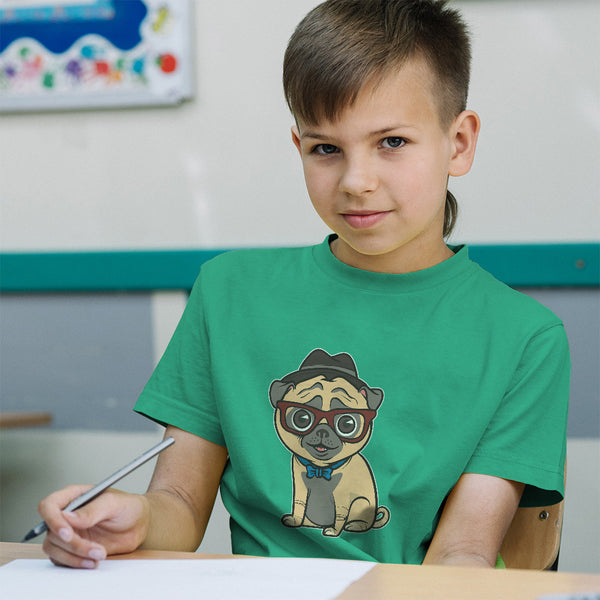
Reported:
(403, 260)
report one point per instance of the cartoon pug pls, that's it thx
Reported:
(324, 415)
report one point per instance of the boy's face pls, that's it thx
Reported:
(377, 175)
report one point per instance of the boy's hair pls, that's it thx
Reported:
(342, 45)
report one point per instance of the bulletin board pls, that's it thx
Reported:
(66, 54)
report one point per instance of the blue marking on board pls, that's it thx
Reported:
(53, 11)
(58, 35)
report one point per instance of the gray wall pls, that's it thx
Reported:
(85, 358)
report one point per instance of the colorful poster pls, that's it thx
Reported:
(94, 53)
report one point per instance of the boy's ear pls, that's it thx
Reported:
(296, 138)
(464, 131)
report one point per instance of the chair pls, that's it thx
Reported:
(533, 538)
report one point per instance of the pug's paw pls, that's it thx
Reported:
(291, 521)
(357, 526)
(331, 532)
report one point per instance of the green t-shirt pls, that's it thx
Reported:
(351, 402)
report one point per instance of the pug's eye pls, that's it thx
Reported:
(300, 419)
(348, 425)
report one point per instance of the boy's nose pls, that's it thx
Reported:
(358, 178)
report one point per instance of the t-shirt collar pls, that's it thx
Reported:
(456, 266)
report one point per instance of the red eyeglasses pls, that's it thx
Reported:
(350, 424)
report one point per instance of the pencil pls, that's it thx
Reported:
(103, 485)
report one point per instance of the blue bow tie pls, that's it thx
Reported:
(324, 472)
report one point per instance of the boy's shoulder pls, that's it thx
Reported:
(254, 257)
(248, 266)
(515, 304)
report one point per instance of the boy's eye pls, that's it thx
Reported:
(393, 142)
(325, 149)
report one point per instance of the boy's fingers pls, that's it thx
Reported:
(108, 524)
(60, 499)
(72, 556)
(51, 507)
(63, 544)
(71, 542)
(85, 517)
(103, 507)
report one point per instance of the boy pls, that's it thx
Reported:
(377, 396)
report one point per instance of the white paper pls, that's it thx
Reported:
(223, 579)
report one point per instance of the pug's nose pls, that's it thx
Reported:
(322, 432)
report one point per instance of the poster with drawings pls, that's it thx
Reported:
(66, 54)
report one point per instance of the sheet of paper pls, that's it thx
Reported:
(247, 578)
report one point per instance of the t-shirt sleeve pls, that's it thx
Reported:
(180, 392)
(526, 439)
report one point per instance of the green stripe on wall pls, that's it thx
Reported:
(101, 271)
(541, 265)
(529, 265)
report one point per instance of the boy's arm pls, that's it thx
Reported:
(172, 515)
(182, 492)
(475, 519)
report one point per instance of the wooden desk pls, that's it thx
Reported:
(24, 419)
(409, 582)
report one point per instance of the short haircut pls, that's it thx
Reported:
(343, 45)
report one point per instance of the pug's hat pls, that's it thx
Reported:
(319, 362)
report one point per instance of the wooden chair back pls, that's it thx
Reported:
(533, 538)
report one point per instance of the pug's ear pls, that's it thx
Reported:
(278, 390)
(374, 397)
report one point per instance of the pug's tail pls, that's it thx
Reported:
(382, 517)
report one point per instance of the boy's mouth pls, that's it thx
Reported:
(363, 220)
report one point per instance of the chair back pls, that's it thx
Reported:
(533, 538)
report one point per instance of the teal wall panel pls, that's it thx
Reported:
(532, 265)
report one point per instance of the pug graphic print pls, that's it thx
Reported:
(324, 416)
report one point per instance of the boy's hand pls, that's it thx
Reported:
(113, 523)
(172, 515)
